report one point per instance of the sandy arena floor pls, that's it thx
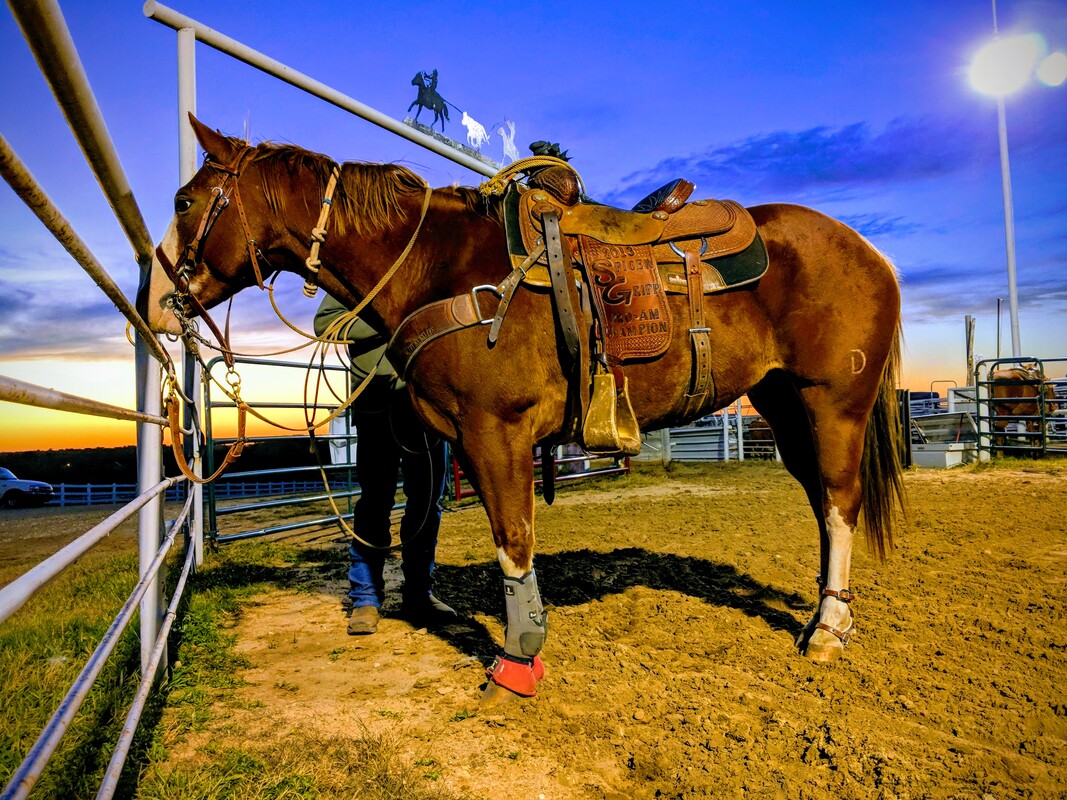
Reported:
(670, 665)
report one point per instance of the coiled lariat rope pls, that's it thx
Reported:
(499, 182)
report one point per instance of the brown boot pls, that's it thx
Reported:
(363, 621)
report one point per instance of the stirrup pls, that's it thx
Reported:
(610, 426)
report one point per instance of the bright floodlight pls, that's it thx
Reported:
(1005, 65)
(1053, 70)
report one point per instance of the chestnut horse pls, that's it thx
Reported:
(1017, 393)
(814, 344)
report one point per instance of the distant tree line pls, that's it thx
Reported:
(119, 464)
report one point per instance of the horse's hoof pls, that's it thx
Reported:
(824, 653)
(496, 696)
(801, 642)
(827, 643)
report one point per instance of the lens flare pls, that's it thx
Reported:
(1005, 65)
(1053, 70)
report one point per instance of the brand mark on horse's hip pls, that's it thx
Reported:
(859, 361)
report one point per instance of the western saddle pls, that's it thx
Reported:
(628, 261)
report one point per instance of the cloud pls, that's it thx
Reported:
(38, 321)
(874, 225)
(936, 291)
(828, 161)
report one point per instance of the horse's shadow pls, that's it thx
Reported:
(579, 576)
(565, 579)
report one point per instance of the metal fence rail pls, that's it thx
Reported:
(46, 32)
(94, 494)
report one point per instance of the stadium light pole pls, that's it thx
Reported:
(1001, 67)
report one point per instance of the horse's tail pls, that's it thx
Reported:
(883, 476)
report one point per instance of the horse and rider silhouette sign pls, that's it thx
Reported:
(429, 99)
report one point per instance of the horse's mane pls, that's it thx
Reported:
(368, 195)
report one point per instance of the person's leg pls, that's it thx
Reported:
(377, 463)
(423, 467)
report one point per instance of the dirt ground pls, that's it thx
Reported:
(670, 665)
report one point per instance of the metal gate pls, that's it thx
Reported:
(1022, 411)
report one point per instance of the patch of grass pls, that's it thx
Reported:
(462, 715)
(42, 649)
(1050, 466)
(299, 766)
(336, 653)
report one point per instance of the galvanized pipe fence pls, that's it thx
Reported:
(48, 37)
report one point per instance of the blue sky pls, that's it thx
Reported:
(861, 110)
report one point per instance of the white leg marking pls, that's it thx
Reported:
(835, 612)
(840, 550)
(510, 568)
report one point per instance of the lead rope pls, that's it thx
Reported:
(318, 236)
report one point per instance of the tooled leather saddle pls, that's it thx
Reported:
(630, 261)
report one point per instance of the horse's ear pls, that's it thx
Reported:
(219, 147)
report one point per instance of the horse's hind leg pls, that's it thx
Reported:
(821, 446)
(501, 468)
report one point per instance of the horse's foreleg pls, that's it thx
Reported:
(502, 470)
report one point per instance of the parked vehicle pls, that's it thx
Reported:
(15, 493)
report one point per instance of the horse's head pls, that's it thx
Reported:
(209, 251)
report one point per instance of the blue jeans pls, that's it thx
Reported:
(420, 458)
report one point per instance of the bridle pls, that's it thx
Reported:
(192, 257)
(184, 301)
(193, 254)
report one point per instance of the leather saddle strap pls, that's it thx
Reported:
(179, 454)
(701, 384)
(433, 321)
(507, 288)
(559, 269)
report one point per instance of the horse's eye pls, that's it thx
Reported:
(182, 204)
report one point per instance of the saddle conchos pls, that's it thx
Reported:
(628, 261)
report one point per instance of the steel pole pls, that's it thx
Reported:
(1009, 229)
(187, 153)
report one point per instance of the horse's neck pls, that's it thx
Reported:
(441, 262)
